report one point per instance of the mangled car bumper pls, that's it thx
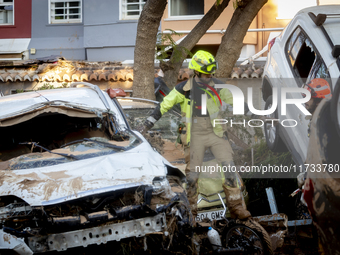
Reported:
(88, 202)
(98, 235)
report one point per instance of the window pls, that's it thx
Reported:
(304, 59)
(186, 8)
(6, 12)
(62, 11)
(294, 45)
(131, 9)
(319, 70)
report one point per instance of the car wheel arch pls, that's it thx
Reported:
(267, 89)
(173, 171)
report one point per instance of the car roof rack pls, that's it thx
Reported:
(321, 17)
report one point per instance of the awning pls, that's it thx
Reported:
(11, 48)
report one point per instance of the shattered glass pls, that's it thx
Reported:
(167, 125)
(81, 150)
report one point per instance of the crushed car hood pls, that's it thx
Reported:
(19, 104)
(64, 182)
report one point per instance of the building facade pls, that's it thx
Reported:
(86, 29)
(182, 15)
(106, 30)
(15, 28)
(77, 30)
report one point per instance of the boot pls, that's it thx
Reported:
(234, 202)
(192, 197)
(192, 191)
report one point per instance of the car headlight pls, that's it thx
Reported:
(162, 185)
(159, 184)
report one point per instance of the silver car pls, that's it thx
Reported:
(73, 173)
(307, 49)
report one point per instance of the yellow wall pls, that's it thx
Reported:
(323, 2)
(220, 24)
(268, 15)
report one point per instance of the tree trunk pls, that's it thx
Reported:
(171, 68)
(144, 55)
(232, 41)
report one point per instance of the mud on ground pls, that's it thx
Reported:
(296, 241)
(170, 150)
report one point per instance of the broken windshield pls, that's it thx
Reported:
(60, 132)
(77, 150)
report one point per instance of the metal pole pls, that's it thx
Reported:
(222, 31)
(252, 156)
(272, 201)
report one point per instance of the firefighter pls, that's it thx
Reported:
(319, 89)
(197, 130)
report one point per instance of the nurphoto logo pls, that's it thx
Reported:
(238, 100)
(238, 106)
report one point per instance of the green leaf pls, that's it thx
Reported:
(166, 45)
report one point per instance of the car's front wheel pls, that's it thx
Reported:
(273, 140)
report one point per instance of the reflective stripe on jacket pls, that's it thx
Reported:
(181, 95)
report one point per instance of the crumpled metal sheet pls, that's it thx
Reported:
(68, 181)
(17, 104)
(10, 242)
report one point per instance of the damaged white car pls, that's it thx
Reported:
(73, 173)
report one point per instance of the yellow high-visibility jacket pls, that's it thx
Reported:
(181, 95)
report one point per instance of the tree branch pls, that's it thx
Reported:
(232, 41)
(170, 76)
(144, 54)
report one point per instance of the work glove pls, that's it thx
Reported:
(147, 125)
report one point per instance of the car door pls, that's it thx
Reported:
(302, 56)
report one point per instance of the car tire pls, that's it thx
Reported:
(237, 235)
(335, 107)
(273, 139)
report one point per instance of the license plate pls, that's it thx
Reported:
(211, 215)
